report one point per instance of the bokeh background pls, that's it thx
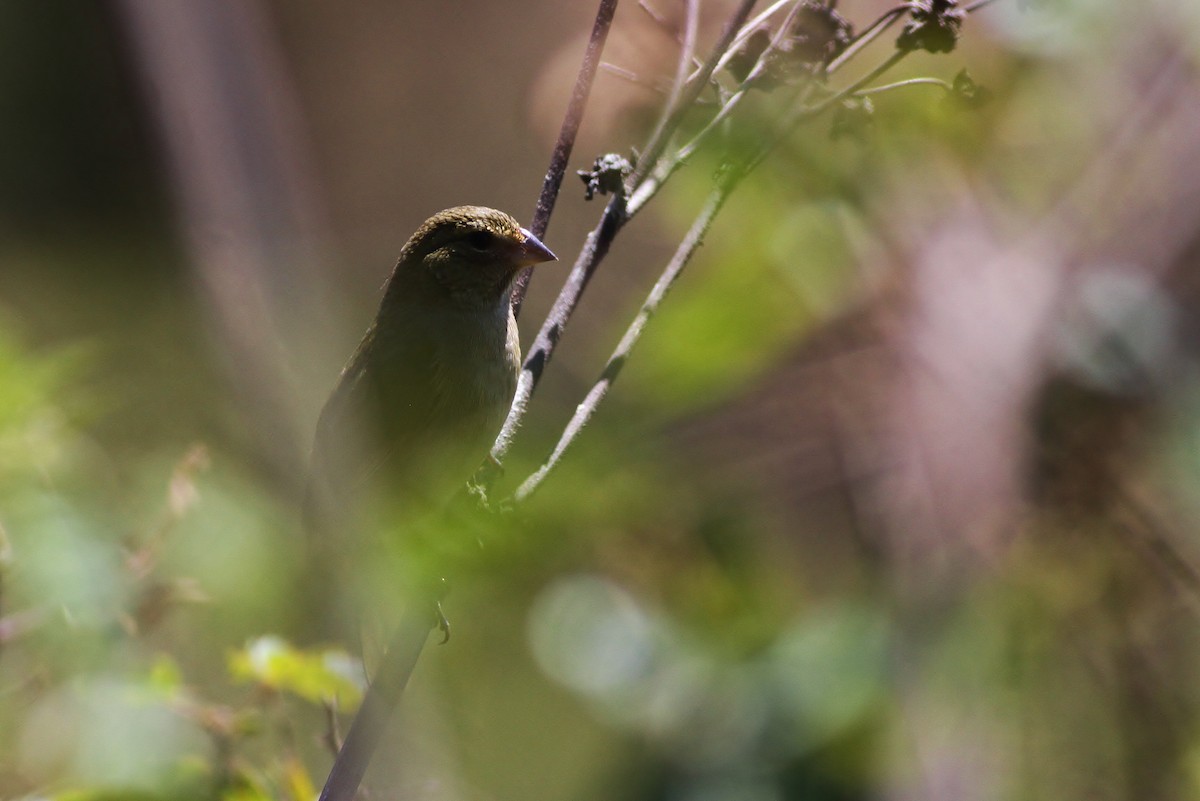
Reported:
(896, 499)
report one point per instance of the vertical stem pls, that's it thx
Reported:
(566, 138)
(594, 251)
(371, 721)
(691, 22)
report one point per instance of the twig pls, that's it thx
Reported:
(566, 137)
(333, 733)
(371, 721)
(749, 29)
(673, 113)
(594, 250)
(723, 113)
(633, 78)
(598, 243)
(691, 22)
(667, 167)
(585, 410)
(806, 112)
(658, 19)
(693, 239)
(616, 214)
(887, 87)
(866, 36)
(650, 187)
(666, 27)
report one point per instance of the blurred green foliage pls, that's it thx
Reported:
(766, 252)
(94, 703)
(328, 677)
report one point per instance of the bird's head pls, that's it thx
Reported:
(467, 255)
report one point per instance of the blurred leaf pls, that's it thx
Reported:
(246, 792)
(165, 676)
(297, 782)
(236, 541)
(35, 432)
(67, 559)
(828, 671)
(246, 786)
(321, 677)
(107, 794)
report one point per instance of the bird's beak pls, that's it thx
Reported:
(532, 251)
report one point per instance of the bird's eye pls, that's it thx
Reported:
(480, 240)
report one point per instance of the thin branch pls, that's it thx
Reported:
(333, 732)
(595, 249)
(633, 78)
(658, 19)
(673, 113)
(749, 28)
(599, 241)
(806, 112)
(593, 252)
(585, 410)
(371, 721)
(673, 108)
(667, 167)
(566, 137)
(866, 36)
(665, 25)
(686, 56)
(687, 50)
(760, 65)
(650, 185)
(887, 87)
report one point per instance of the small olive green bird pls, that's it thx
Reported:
(425, 393)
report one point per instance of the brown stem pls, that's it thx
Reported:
(674, 112)
(371, 721)
(566, 138)
(594, 251)
(583, 413)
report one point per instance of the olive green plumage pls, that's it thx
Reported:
(430, 383)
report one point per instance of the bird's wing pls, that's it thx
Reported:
(370, 419)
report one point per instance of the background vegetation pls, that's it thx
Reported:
(895, 499)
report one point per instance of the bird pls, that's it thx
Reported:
(425, 392)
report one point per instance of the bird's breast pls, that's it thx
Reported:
(477, 366)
